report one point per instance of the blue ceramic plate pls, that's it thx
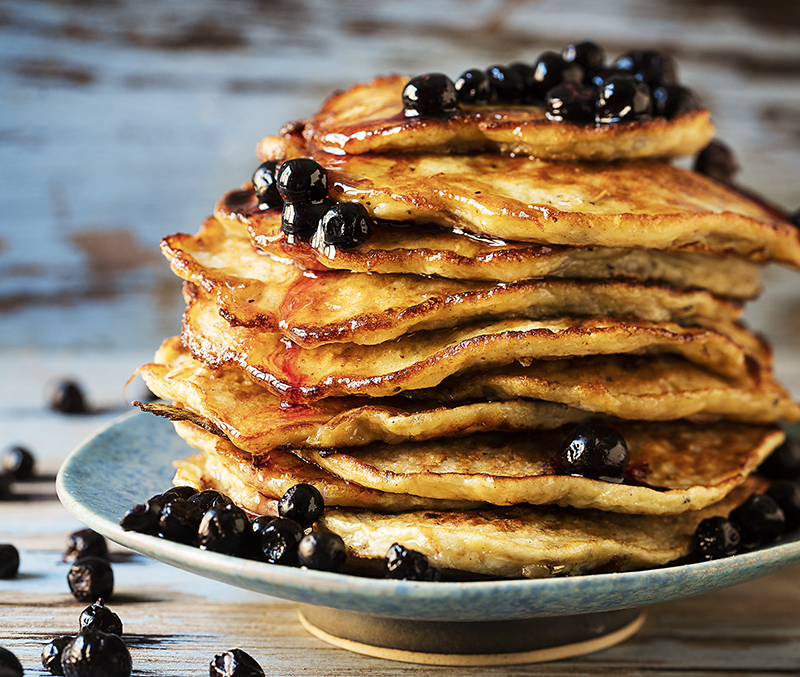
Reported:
(131, 460)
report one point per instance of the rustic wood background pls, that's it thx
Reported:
(123, 121)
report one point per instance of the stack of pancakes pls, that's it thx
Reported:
(522, 276)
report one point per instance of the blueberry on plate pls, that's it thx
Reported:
(595, 450)
(473, 86)
(302, 503)
(181, 491)
(430, 95)
(786, 493)
(759, 520)
(223, 529)
(209, 498)
(9, 560)
(96, 654)
(279, 540)
(587, 54)
(90, 579)
(571, 102)
(716, 537)
(85, 543)
(9, 664)
(51, 654)
(98, 616)
(142, 519)
(623, 98)
(409, 565)
(302, 179)
(322, 550)
(265, 185)
(783, 463)
(235, 663)
(344, 225)
(179, 521)
(18, 462)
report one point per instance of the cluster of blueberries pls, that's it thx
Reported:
(211, 521)
(763, 518)
(299, 187)
(575, 86)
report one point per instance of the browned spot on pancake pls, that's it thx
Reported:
(110, 250)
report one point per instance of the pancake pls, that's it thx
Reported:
(426, 358)
(625, 204)
(311, 309)
(257, 484)
(674, 467)
(368, 118)
(531, 541)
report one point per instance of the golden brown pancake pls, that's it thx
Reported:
(674, 466)
(625, 204)
(426, 358)
(369, 118)
(432, 250)
(254, 290)
(256, 483)
(531, 541)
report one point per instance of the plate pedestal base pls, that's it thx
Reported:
(532, 640)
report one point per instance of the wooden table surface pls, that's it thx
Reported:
(123, 121)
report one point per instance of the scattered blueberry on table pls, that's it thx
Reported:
(67, 397)
(18, 462)
(234, 663)
(91, 578)
(9, 664)
(85, 543)
(9, 561)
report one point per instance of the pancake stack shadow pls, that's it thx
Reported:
(517, 282)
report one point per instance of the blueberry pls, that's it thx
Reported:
(322, 550)
(344, 225)
(180, 520)
(474, 86)
(507, 84)
(90, 579)
(98, 616)
(302, 179)
(794, 218)
(67, 397)
(571, 102)
(786, 493)
(265, 185)
(650, 66)
(759, 521)
(6, 487)
(223, 529)
(409, 565)
(209, 498)
(180, 492)
(597, 78)
(279, 541)
(716, 537)
(672, 101)
(9, 664)
(595, 450)
(9, 560)
(235, 663)
(587, 54)
(141, 519)
(85, 543)
(550, 70)
(717, 161)
(96, 654)
(430, 95)
(18, 462)
(51, 654)
(301, 219)
(784, 462)
(623, 98)
(302, 503)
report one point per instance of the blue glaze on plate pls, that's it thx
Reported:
(131, 460)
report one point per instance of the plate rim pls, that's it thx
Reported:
(504, 599)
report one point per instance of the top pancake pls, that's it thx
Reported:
(369, 118)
